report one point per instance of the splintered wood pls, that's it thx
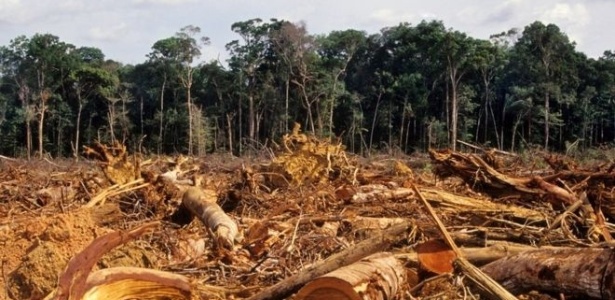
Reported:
(203, 205)
(309, 222)
(376, 277)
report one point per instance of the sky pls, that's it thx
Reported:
(125, 30)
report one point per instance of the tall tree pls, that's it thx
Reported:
(48, 56)
(15, 64)
(458, 52)
(246, 57)
(250, 61)
(490, 61)
(88, 81)
(180, 51)
(337, 50)
(543, 52)
(295, 47)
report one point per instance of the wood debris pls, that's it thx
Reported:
(300, 224)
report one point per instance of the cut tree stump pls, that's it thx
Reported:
(363, 249)
(378, 276)
(583, 272)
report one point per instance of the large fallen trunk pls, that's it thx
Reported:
(442, 199)
(584, 272)
(203, 205)
(365, 248)
(378, 276)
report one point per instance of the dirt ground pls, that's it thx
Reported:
(294, 207)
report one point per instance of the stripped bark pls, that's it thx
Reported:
(365, 248)
(487, 285)
(203, 205)
(378, 276)
(444, 200)
(583, 272)
(136, 283)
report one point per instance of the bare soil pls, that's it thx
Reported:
(293, 208)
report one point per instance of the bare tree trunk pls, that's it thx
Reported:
(111, 116)
(59, 137)
(188, 85)
(77, 127)
(454, 109)
(124, 121)
(240, 135)
(161, 126)
(495, 128)
(229, 128)
(251, 117)
(448, 112)
(24, 94)
(286, 117)
(307, 104)
(402, 125)
(41, 121)
(335, 83)
(371, 133)
(514, 132)
(547, 121)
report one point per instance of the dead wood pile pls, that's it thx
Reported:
(314, 222)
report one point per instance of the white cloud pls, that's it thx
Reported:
(71, 5)
(564, 12)
(8, 4)
(125, 30)
(572, 19)
(108, 33)
(390, 16)
(9, 9)
(170, 2)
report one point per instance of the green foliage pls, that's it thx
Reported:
(406, 87)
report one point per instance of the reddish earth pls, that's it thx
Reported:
(293, 210)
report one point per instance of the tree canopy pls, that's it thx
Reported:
(405, 88)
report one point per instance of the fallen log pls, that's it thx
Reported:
(378, 276)
(365, 248)
(203, 205)
(478, 173)
(489, 287)
(443, 199)
(479, 256)
(582, 272)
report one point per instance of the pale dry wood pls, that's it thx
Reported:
(490, 287)
(483, 150)
(378, 276)
(445, 200)
(365, 248)
(7, 158)
(203, 205)
(133, 283)
(115, 190)
(476, 255)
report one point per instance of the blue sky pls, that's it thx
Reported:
(125, 30)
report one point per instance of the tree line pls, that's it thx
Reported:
(406, 88)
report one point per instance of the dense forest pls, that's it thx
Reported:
(406, 88)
